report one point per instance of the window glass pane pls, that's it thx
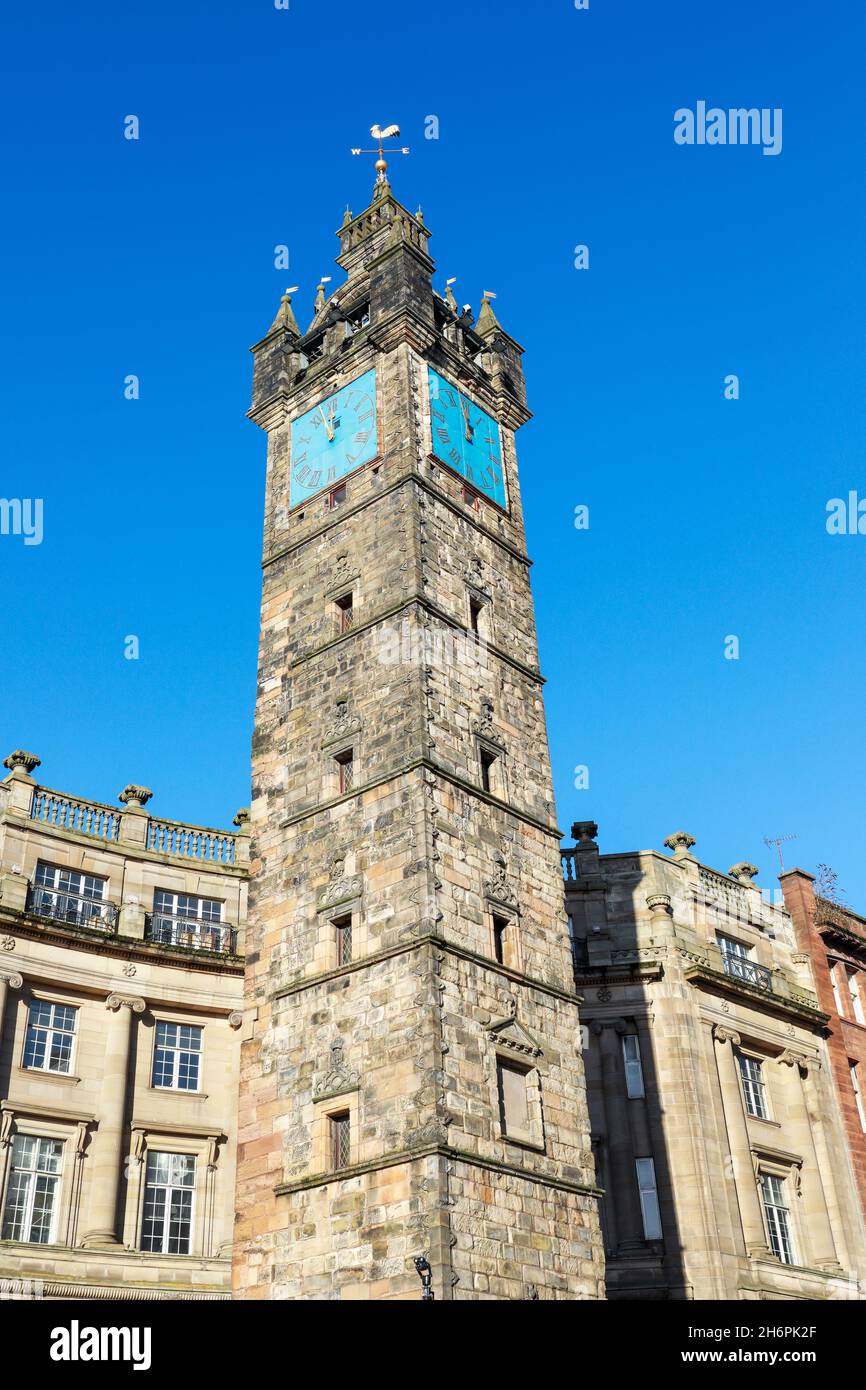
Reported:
(649, 1203)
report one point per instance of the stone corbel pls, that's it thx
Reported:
(725, 1035)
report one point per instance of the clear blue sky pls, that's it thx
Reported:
(556, 128)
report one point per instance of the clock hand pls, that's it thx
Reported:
(328, 429)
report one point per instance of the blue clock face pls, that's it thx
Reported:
(466, 438)
(334, 438)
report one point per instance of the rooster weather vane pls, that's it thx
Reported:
(390, 132)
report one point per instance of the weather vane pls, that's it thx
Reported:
(778, 842)
(391, 132)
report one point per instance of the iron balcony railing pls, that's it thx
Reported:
(741, 969)
(192, 932)
(75, 911)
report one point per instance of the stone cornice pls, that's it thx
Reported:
(619, 973)
(408, 475)
(447, 1151)
(409, 602)
(441, 943)
(702, 975)
(426, 763)
(852, 939)
(32, 928)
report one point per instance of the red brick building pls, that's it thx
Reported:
(835, 938)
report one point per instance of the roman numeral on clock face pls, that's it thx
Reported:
(361, 437)
(368, 415)
(443, 434)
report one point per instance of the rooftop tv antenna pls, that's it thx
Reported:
(778, 842)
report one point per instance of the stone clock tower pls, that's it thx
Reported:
(411, 1079)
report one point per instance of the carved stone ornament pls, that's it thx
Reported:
(21, 761)
(744, 872)
(339, 1078)
(343, 725)
(680, 842)
(115, 1002)
(135, 797)
(510, 1035)
(236, 1018)
(660, 903)
(483, 727)
(13, 981)
(498, 889)
(724, 1035)
(792, 1058)
(342, 887)
(7, 943)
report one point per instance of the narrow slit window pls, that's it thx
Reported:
(345, 613)
(470, 499)
(340, 1126)
(513, 1082)
(633, 1070)
(346, 770)
(488, 774)
(645, 1172)
(337, 497)
(501, 941)
(343, 934)
(476, 609)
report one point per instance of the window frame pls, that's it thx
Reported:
(50, 1031)
(632, 1066)
(199, 916)
(343, 926)
(648, 1197)
(34, 1174)
(855, 994)
(177, 1052)
(339, 1138)
(858, 1092)
(345, 761)
(170, 1189)
(836, 987)
(753, 1089)
(777, 1218)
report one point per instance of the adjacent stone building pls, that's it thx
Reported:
(120, 990)
(834, 937)
(411, 1084)
(717, 1134)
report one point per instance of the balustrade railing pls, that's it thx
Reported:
(70, 813)
(72, 909)
(192, 932)
(742, 969)
(191, 842)
(568, 865)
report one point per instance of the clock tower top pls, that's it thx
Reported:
(387, 297)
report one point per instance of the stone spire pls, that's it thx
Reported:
(488, 323)
(285, 315)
